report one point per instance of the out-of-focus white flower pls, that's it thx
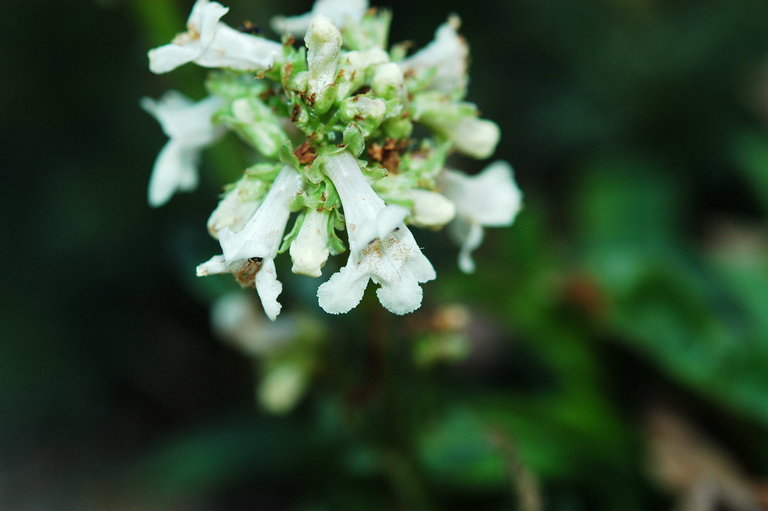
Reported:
(474, 137)
(430, 209)
(250, 252)
(458, 122)
(446, 56)
(382, 248)
(190, 129)
(282, 386)
(236, 319)
(211, 43)
(340, 12)
(360, 60)
(323, 42)
(285, 349)
(489, 199)
(309, 251)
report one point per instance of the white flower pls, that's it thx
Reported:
(210, 43)
(382, 248)
(309, 251)
(474, 137)
(190, 129)
(430, 209)
(489, 199)
(341, 12)
(446, 55)
(237, 206)
(236, 319)
(458, 122)
(250, 252)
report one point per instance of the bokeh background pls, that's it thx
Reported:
(610, 353)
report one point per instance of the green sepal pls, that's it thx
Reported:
(288, 238)
(354, 139)
(287, 156)
(374, 171)
(232, 85)
(313, 172)
(332, 200)
(335, 245)
(399, 51)
(406, 203)
(263, 171)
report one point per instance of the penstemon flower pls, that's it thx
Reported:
(189, 128)
(489, 199)
(210, 43)
(332, 126)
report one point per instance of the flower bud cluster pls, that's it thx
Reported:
(332, 124)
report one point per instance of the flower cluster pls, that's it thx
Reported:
(332, 122)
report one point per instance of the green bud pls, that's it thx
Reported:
(398, 127)
(388, 81)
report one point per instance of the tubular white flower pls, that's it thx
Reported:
(251, 250)
(235, 318)
(262, 234)
(474, 137)
(309, 251)
(210, 43)
(447, 55)
(360, 60)
(237, 206)
(430, 209)
(458, 122)
(190, 129)
(382, 248)
(489, 199)
(341, 12)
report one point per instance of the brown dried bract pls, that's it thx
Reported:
(295, 111)
(267, 94)
(246, 274)
(305, 153)
(388, 154)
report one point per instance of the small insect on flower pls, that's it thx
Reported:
(249, 28)
(331, 125)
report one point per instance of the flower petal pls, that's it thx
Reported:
(175, 169)
(490, 198)
(447, 54)
(469, 236)
(401, 297)
(170, 56)
(233, 49)
(431, 209)
(213, 266)
(341, 12)
(309, 251)
(475, 137)
(262, 234)
(269, 288)
(343, 291)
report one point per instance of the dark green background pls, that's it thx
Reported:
(635, 277)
